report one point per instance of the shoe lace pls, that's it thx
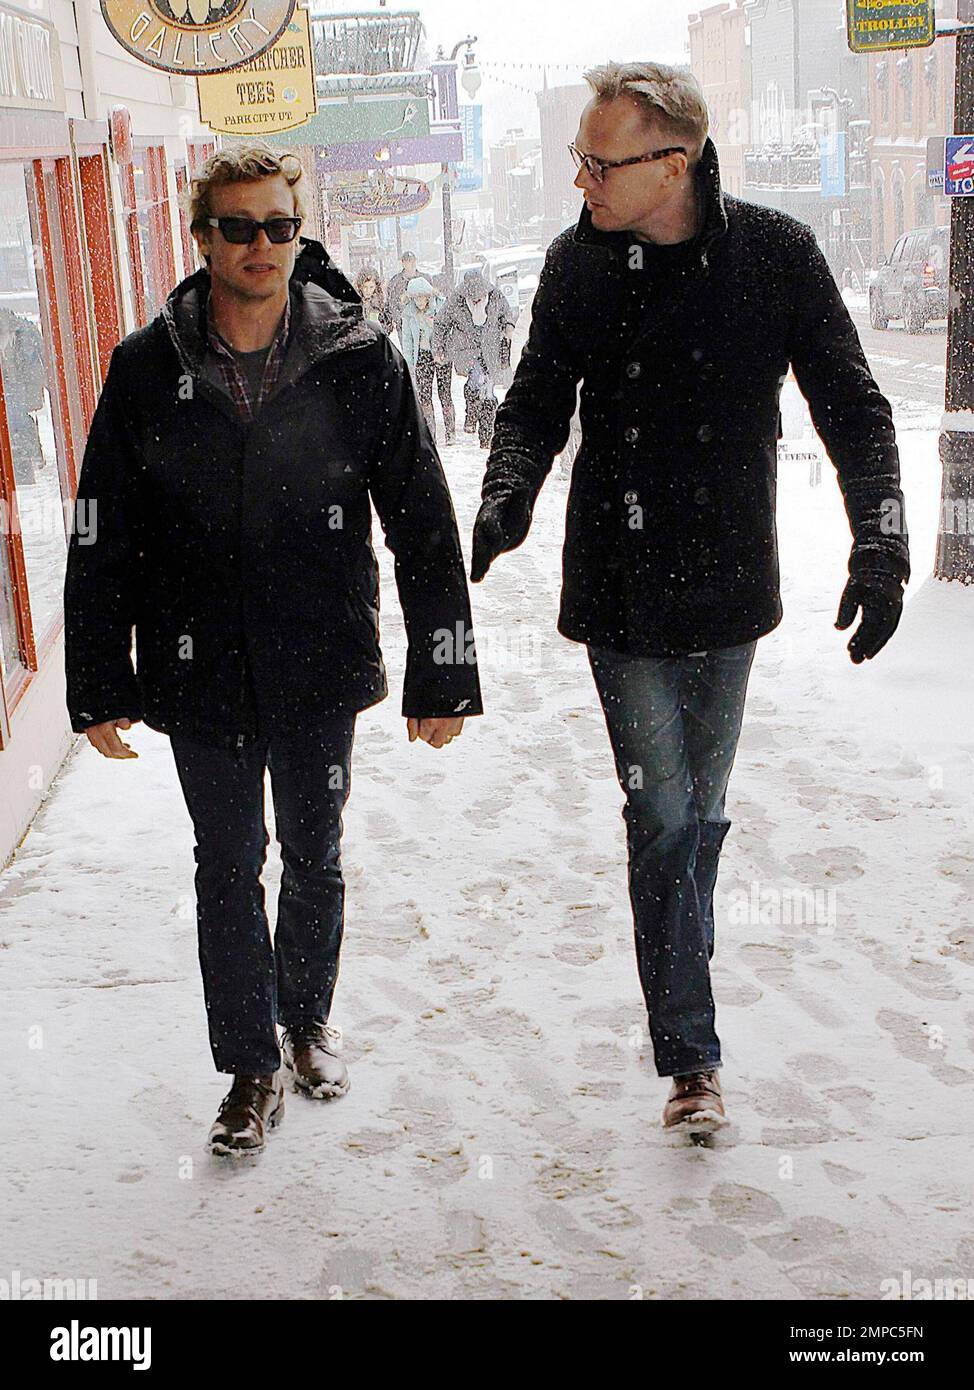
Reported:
(312, 1032)
(698, 1080)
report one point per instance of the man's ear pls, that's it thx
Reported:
(202, 239)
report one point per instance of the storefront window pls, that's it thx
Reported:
(29, 412)
(154, 226)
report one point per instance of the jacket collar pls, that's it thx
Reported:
(321, 323)
(710, 196)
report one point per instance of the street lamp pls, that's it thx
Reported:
(445, 73)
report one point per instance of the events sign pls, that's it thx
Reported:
(191, 37)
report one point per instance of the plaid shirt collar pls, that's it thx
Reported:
(229, 369)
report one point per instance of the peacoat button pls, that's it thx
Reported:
(631, 497)
(631, 435)
(701, 496)
(705, 434)
(633, 370)
(606, 506)
(697, 354)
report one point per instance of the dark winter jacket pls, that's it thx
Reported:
(241, 553)
(671, 542)
(456, 338)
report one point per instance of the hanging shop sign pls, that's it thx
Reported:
(190, 37)
(378, 194)
(30, 63)
(876, 25)
(274, 92)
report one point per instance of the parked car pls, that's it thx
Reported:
(911, 284)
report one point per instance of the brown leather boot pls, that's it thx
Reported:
(252, 1104)
(695, 1100)
(310, 1053)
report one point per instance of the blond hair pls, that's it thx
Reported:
(671, 99)
(241, 164)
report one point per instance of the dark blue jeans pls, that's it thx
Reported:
(674, 724)
(250, 985)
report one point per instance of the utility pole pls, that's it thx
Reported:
(955, 539)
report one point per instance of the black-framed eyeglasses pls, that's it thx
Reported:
(597, 167)
(241, 231)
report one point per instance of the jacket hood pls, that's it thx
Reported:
(474, 285)
(420, 285)
(327, 314)
(710, 195)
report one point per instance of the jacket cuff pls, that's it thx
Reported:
(879, 558)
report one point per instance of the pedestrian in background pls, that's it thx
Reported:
(368, 282)
(469, 333)
(423, 303)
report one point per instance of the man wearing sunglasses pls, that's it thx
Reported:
(238, 444)
(680, 309)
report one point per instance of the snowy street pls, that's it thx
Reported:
(502, 1135)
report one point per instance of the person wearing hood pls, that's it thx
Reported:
(423, 303)
(238, 444)
(472, 332)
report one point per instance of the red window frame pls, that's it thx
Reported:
(185, 235)
(55, 227)
(160, 274)
(96, 208)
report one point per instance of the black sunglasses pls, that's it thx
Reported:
(597, 167)
(241, 231)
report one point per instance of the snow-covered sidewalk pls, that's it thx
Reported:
(502, 1137)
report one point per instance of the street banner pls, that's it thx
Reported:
(833, 164)
(273, 92)
(190, 37)
(470, 169)
(876, 25)
(936, 151)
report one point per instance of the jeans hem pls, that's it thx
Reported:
(688, 1071)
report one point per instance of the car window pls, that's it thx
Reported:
(913, 250)
(897, 250)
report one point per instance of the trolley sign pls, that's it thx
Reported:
(959, 166)
(875, 25)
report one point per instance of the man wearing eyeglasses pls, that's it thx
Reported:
(680, 308)
(238, 443)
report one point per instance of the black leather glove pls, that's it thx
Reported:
(881, 598)
(502, 523)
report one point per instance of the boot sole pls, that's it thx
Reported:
(701, 1122)
(316, 1092)
(219, 1150)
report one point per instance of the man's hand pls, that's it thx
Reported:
(439, 359)
(435, 732)
(508, 331)
(502, 523)
(105, 738)
(881, 598)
